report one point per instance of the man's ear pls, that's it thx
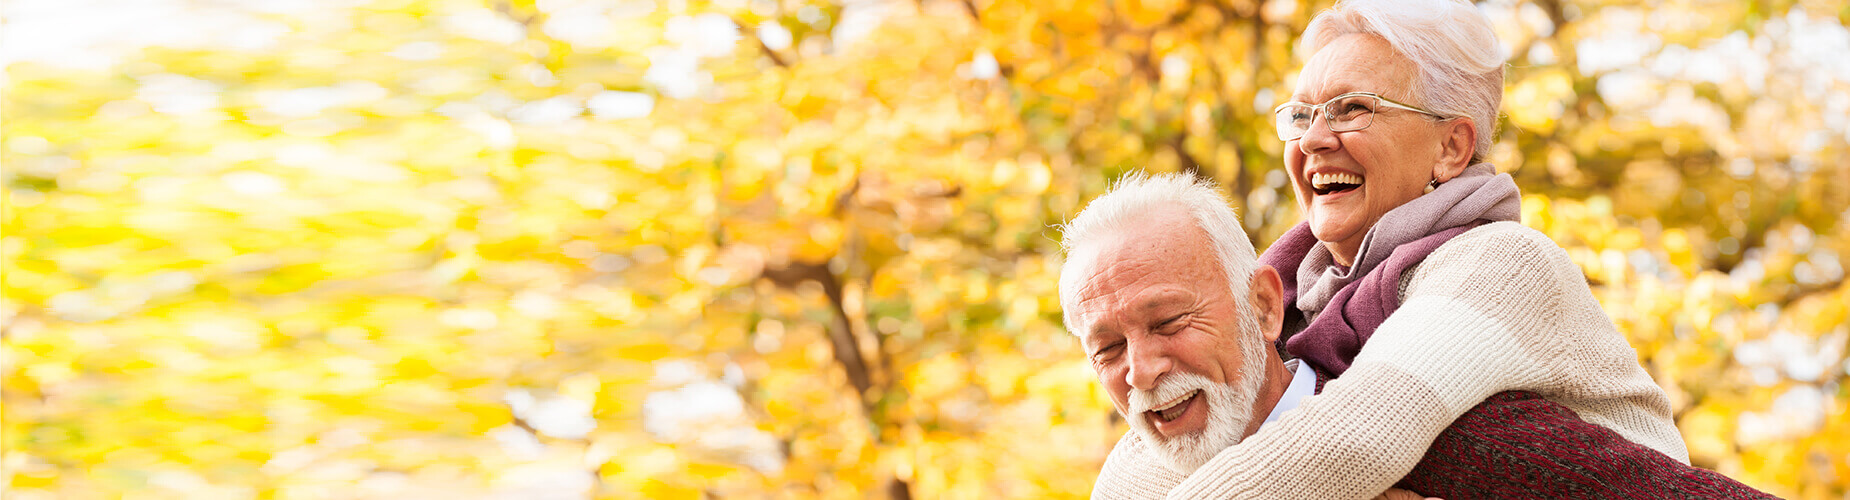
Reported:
(1267, 294)
(1455, 148)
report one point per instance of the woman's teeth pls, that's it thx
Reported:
(1326, 182)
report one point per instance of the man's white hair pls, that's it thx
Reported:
(1120, 208)
(1450, 41)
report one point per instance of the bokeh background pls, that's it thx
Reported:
(302, 249)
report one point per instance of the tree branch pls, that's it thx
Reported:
(766, 49)
(842, 343)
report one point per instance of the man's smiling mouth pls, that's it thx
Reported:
(1169, 412)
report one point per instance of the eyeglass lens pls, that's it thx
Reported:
(1343, 114)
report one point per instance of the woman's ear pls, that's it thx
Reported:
(1455, 148)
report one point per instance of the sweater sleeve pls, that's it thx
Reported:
(1498, 308)
(1131, 472)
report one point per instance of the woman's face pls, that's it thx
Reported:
(1392, 160)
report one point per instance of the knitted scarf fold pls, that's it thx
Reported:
(1348, 303)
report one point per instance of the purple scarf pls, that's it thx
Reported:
(1348, 303)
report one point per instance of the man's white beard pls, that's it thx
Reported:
(1229, 407)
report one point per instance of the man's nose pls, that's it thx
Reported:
(1318, 138)
(1148, 364)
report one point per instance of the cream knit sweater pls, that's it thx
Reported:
(1498, 308)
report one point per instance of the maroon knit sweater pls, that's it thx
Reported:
(1517, 445)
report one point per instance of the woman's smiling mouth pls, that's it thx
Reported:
(1334, 182)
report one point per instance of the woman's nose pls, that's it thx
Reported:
(1318, 139)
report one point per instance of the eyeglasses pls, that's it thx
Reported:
(1344, 113)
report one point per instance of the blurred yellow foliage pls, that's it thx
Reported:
(798, 248)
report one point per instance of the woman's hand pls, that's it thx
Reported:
(1400, 494)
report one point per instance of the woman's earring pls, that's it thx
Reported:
(1432, 185)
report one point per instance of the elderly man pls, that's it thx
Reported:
(1178, 317)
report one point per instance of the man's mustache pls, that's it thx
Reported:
(1170, 388)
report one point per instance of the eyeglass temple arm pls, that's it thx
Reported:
(1392, 104)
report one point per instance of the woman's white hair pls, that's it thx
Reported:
(1120, 209)
(1450, 41)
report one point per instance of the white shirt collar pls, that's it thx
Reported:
(1303, 383)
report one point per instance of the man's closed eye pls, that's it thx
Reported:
(1171, 325)
(1105, 353)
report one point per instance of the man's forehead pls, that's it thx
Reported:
(1151, 247)
(1142, 301)
(1144, 279)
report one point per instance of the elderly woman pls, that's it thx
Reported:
(1411, 280)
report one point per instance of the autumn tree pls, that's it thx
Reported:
(804, 248)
